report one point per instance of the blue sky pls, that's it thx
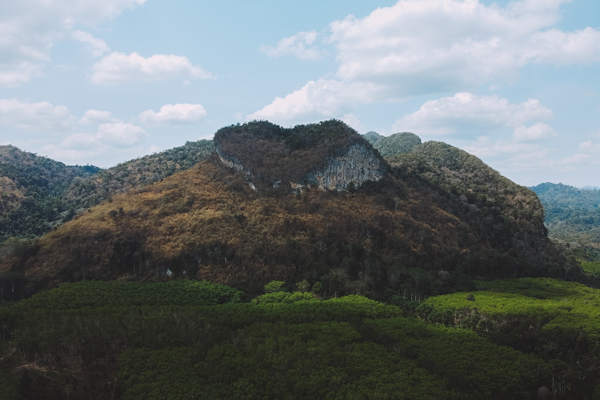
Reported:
(103, 81)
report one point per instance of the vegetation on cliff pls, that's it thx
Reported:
(276, 156)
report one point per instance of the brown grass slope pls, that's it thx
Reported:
(412, 230)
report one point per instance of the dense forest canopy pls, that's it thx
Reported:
(32, 192)
(572, 216)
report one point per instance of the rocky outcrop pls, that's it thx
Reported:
(358, 165)
(326, 156)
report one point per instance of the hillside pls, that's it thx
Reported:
(38, 194)
(398, 143)
(31, 192)
(372, 137)
(572, 215)
(434, 220)
(85, 193)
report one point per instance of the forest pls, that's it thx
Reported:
(572, 217)
(174, 278)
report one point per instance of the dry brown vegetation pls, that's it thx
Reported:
(207, 223)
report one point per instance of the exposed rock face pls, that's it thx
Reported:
(325, 156)
(358, 165)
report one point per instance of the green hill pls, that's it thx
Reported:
(572, 215)
(398, 143)
(32, 190)
(372, 137)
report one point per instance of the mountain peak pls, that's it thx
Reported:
(328, 155)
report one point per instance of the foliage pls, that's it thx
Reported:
(558, 321)
(438, 211)
(372, 137)
(572, 215)
(31, 192)
(274, 286)
(349, 347)
(507, 219)
(134, 174)
(398, 143)
(108, 294)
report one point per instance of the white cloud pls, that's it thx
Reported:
(353, 121)
(324, 98)
(30, 28)
(298, 45)
(173, 114)
(466, 113)
(34, 116)
(95, 46)
(120, 134)
(438, 45)
(419, 47)
(119, 68)
(96, 117)
(535, 132)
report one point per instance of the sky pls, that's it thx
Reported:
(516, 83)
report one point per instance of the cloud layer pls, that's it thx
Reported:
(298, 45)
(29, 29)
(42, 116)
(466, 113)
(120, 68)
(431, 46)
(173, 114)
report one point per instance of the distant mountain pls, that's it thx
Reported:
(572, 215)
(32, 190)
(236, 218)
(37, 193)
(87, 192)
(398, 143)
(372, 137)
(590, 188)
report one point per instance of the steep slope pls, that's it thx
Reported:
(31, 191)
(398, 143)
(434, 219)
(506, 216)
(572, 215)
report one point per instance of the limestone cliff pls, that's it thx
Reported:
(327, 156)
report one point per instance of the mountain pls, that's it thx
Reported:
(329, 155)
(397, 143)
(87, 192)
(32, 190)
(313, 202)
(590, 188)
(572, 215)
(38, 194)
(372, 137)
